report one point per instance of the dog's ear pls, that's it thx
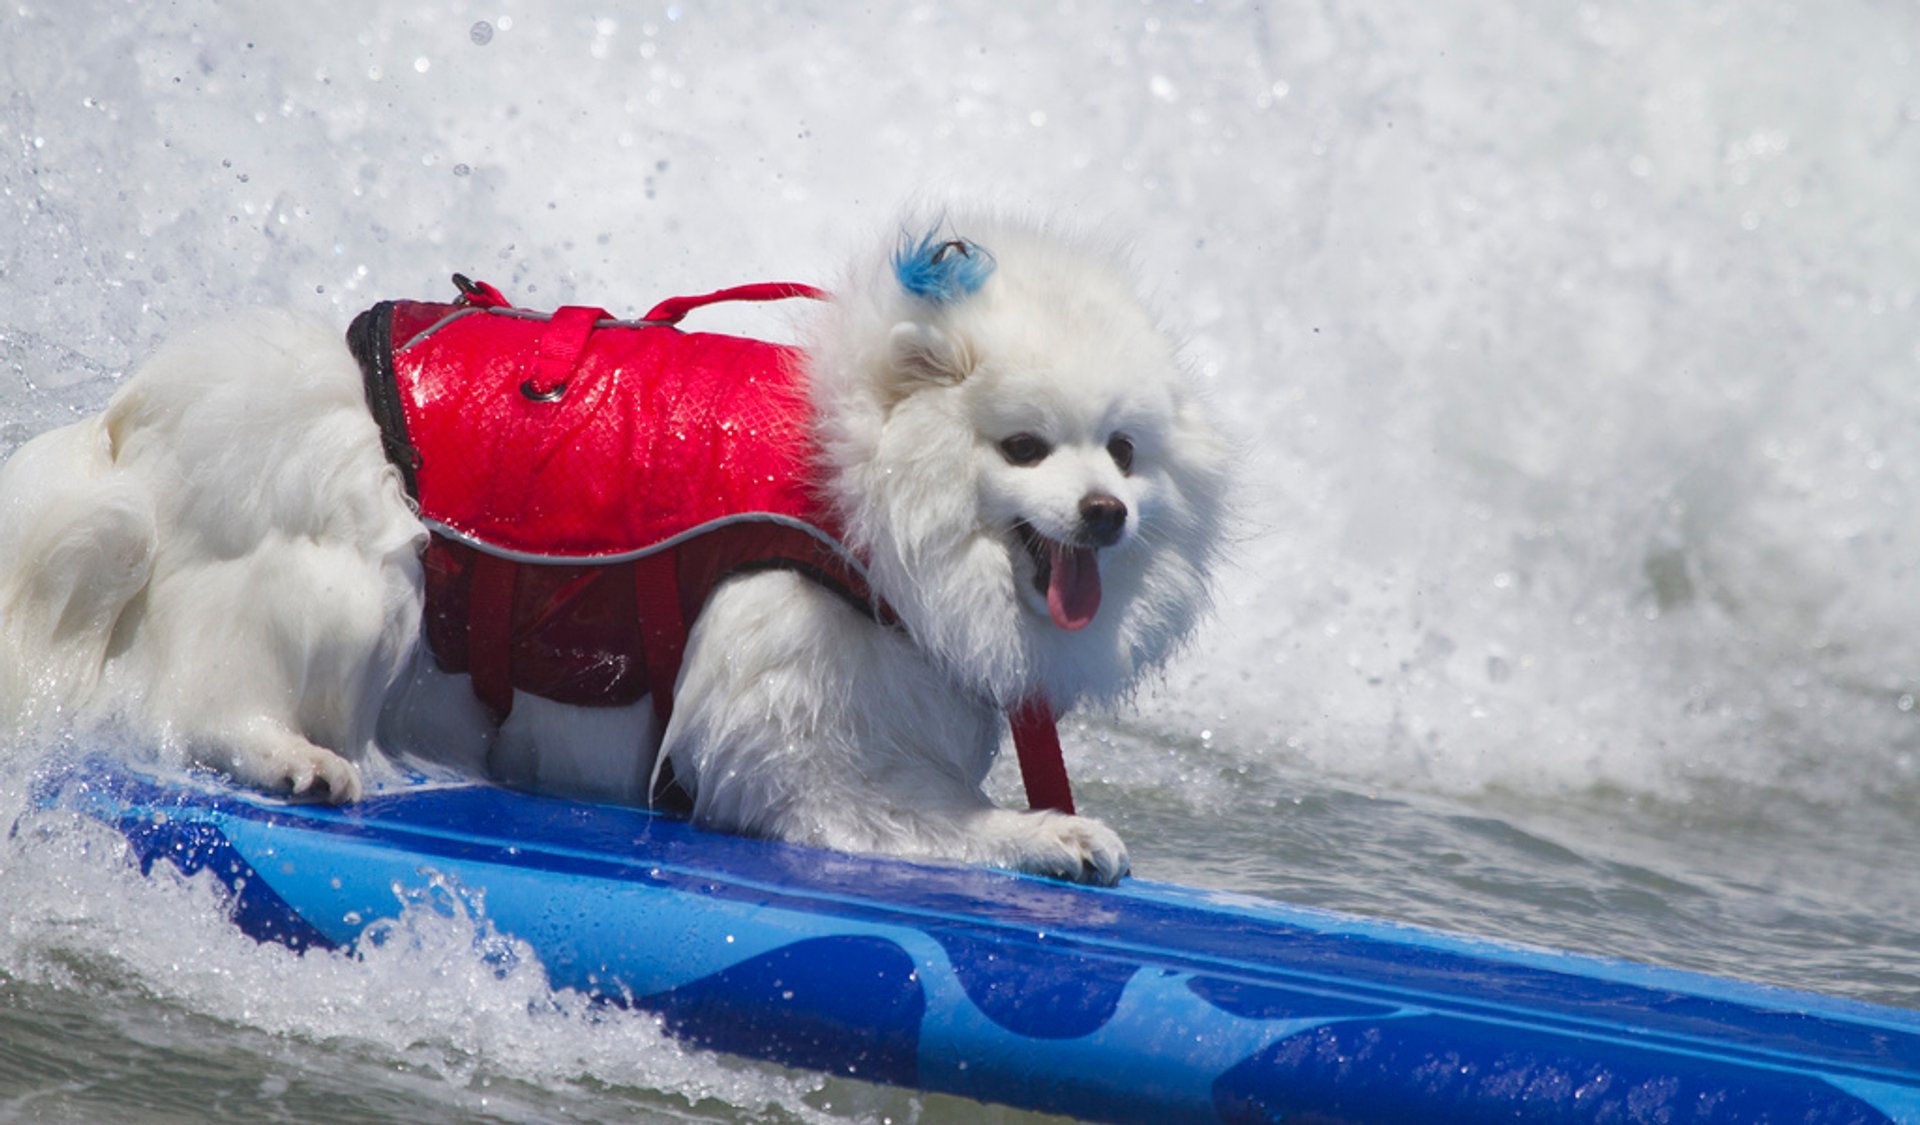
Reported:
(921, 353)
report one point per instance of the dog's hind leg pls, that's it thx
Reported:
(276, 759)
(285, 590)
(77, 544)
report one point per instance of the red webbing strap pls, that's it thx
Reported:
(1037, 741)
(479, 294)
(559, 348)
(490, 631)
(671, 310)
(490, 594)
(663, 632)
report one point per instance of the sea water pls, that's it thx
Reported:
(1571, 350)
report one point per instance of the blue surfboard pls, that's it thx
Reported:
(1145, 1002)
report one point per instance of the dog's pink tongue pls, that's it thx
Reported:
(1073, 590)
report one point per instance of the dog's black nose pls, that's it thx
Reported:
(1102, 519)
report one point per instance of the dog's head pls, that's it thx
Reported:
(1011, 442)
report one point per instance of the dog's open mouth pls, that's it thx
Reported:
(1067, 576)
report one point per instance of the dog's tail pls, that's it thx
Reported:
(77, 542)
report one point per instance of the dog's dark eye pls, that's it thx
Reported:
(1120, 448)
(1025, 449)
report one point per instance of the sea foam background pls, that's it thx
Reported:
(1572, 348)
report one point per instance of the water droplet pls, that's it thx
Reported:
(481, 33)
(1906, 702)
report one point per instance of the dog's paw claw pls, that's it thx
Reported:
(318, 776)
(339, 788)
(1082, 851)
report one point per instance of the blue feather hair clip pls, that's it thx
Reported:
(941, 270)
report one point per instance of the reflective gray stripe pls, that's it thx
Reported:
(511, 555)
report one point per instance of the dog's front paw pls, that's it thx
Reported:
(1076, 849)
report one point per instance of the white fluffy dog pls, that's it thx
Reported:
(225, 560)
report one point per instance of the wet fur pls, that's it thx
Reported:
(224, 560)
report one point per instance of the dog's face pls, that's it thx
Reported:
(1026, 470)
(1068, 452)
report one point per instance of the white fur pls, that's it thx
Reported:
(224, 558)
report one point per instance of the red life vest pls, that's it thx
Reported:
(589, 481)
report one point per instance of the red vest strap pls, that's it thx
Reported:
(559, 349)
(490, 632)
(671, 310)
(479, 294)
(1037, 741)
(663, 630)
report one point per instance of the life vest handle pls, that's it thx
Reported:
(668, 312)
(674, 309)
